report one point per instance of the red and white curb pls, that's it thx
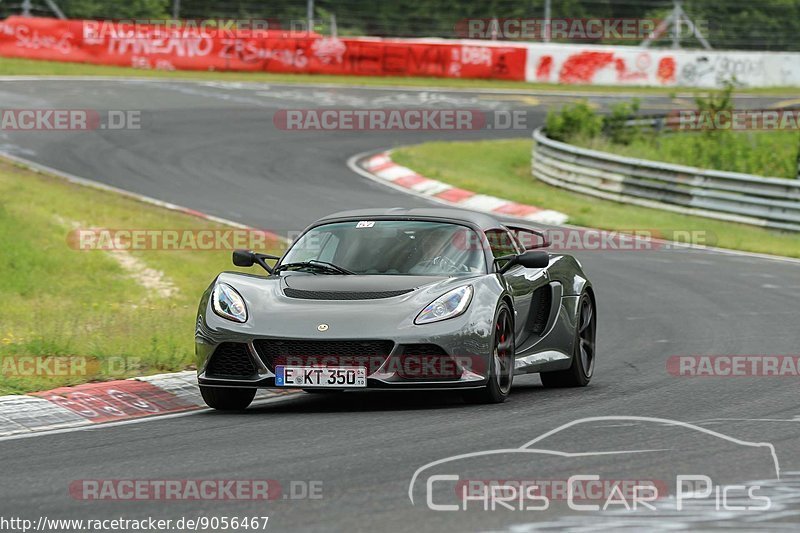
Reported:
(100, 403)
(382, 167)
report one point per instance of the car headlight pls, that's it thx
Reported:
(228, 303)
(448, 305)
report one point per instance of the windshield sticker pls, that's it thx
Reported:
(365, 224)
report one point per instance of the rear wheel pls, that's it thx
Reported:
(227, 399)
(580, 373)
(501, 362)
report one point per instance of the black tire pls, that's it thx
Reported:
(579, 374)
(501, 361)
(227, 399)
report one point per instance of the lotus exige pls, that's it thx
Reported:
(398, 299)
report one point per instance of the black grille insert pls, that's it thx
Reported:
(368, 353)
(542, 301)
(427, 362)
(421, 350)
(342, 295)
(231, 359)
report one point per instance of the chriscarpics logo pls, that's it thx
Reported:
(601, 465)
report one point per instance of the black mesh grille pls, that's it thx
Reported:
(342, 295)
(231, 359)
(426, 362)
(542, 300)
(368, 353)
(422, 350)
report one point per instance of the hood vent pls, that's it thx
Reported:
(342, 295)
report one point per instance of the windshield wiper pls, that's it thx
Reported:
(314, 264)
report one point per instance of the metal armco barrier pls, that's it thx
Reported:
(768, 202)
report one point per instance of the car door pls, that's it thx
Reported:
(503, 244)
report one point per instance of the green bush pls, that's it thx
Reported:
(764, 153)
(573, 122)
(716, 101)
(615, 124)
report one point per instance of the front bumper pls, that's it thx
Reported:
(395, 370)
(389, 323)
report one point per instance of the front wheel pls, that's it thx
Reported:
(501, 361)
(227, 398)
(579, 374)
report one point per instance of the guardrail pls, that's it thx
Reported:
(745, 198)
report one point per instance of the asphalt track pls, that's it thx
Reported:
(214, 148)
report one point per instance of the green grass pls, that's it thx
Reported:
(764, 153)
(59, 301)
(28, 67)
(502, 168)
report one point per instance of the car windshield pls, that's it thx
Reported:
(392, 247)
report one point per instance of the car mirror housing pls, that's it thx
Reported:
(529, 259)
(534, 259)
(248, 258)
(244, 258)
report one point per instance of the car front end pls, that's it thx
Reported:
(384, 326)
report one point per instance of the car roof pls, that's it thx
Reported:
(481, 220)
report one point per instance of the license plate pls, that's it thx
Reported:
(317, 376)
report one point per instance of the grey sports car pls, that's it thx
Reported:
(398, 299)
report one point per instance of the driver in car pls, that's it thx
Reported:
(444, 253)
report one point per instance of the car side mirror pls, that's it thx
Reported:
(534, 259)
(248, 258)
(244, 258)
(529, 259)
